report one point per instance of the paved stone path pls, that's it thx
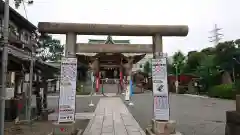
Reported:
(112, 118)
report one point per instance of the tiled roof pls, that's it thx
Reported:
(19, 53)
(25, 56)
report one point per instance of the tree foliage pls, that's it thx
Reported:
(50, 49)
(193, 61)
(212, 65)
(179, 61)
(147, 68)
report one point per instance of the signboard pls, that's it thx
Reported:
(67, 90)
(161, 108)
(159, 76)
(160, 88)
(9, 93)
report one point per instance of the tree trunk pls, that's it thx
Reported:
(226, 78)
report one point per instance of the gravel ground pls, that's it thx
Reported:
(81, 103)
(35, 129)
(194, 116)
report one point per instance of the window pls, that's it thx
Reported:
(25, 36)
(140, 66)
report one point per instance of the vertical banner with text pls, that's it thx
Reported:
(127, 91)
(67, 90)
(160, 88)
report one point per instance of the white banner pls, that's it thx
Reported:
(161, 108)
(127, 93)
(67, 90)
(160, 88)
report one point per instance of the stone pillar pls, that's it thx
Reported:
(70, 47)
(160, 127)
(157, 45)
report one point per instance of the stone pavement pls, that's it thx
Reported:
(113, 118)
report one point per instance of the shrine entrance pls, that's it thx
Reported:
(109, 58)
(106, 53)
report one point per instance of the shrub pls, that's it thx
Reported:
(225, 91)
(79, 88)
(237, 86)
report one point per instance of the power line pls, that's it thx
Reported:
(216, 37)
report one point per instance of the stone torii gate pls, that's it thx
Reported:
(73, 29)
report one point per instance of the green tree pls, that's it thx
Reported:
(179, 61)
(170, 68)
(225, 52)
(193, 61)
(208, 71)
(147, 68)
(208, 51)
(50, 49)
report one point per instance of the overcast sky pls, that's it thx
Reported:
(199, 15)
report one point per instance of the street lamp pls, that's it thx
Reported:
(176, 76)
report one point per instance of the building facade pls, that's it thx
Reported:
(110, 40)
(22, 42)
(22, 37)
(21, 31)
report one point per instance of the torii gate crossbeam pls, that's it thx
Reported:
(73, 29)
(113, 29)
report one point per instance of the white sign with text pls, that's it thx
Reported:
(67, 90)
(160, 88)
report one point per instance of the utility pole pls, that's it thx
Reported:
(4, 66)
(216, 37)
(29, 92)
(176, 77)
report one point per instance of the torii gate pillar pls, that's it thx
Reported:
(160, 126)
(70, 46)
(157, 45)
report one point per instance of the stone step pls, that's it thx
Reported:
(149, 132)
(54, 116)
